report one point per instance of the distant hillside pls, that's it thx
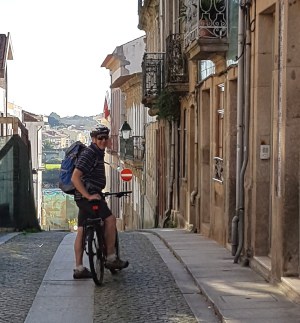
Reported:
(56, 121)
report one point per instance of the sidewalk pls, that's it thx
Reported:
(60, 298)
(237, 293)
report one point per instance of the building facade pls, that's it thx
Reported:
(124, 65)
(233, 174)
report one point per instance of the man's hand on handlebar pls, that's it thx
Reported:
(94, 197)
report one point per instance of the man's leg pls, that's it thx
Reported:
(80, 271)
(112, 262)
(110, 234)
(78, 248)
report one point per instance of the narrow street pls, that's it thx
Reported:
(146, 291)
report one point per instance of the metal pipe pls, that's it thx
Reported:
(195, 190)
(246, 135)
(172, 172)
(240, 103)
(161, 25)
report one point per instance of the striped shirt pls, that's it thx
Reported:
(91, 164)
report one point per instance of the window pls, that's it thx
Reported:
(218, 160)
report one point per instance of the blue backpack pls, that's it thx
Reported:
(68, 165)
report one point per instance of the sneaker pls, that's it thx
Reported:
(78, 274)
(116, 264)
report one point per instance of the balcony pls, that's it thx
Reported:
(206, 28)
(132, 149)
(176, 64)
(153, 77)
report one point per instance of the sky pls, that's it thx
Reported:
(58, 48)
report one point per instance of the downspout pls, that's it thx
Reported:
(39, 176)
(239, 152)
(6, 100)
(246, 133)
(144, 177)
(161, 25)
(171, 181)
(195, 190)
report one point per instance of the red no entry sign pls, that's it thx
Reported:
(126, 174)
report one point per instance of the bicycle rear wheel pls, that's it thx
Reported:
(96, 257)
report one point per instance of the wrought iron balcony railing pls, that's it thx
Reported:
(205, 19)
(176, 63)
(218, 170)
(132, 148)
(153, 75)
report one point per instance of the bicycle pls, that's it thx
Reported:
(94, 242)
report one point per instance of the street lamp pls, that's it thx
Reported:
(125, 130)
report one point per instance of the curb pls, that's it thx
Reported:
(190, 273)
(7, 236)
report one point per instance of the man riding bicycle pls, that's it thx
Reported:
(89, 180)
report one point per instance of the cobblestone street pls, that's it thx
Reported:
(172, 274)
(23, 263)
(144, 292)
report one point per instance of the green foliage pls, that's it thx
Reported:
(47, 145)
(168, 106)
(52, 166)
(54, 119)
(31, 230)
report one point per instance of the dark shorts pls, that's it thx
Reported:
(85, 211)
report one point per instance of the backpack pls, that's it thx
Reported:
(68, 165)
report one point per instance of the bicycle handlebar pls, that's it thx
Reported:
(117, 194)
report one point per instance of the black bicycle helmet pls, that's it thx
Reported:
(101, 130)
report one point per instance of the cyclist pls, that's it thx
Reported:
(89, 180)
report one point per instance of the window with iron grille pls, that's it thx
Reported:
(218, 159)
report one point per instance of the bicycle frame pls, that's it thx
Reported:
(94, 239)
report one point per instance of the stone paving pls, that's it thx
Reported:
(144, 292)
(24, 260)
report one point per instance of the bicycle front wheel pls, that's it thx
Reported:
(96, 257)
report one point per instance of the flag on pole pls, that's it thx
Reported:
(105, 109)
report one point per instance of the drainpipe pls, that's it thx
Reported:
(161, 25)
(195, 190)
(172, 171)
(243, 136)
(6, 100)
(239, 153)
(144, 176)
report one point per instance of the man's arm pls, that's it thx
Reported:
(76, 180)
